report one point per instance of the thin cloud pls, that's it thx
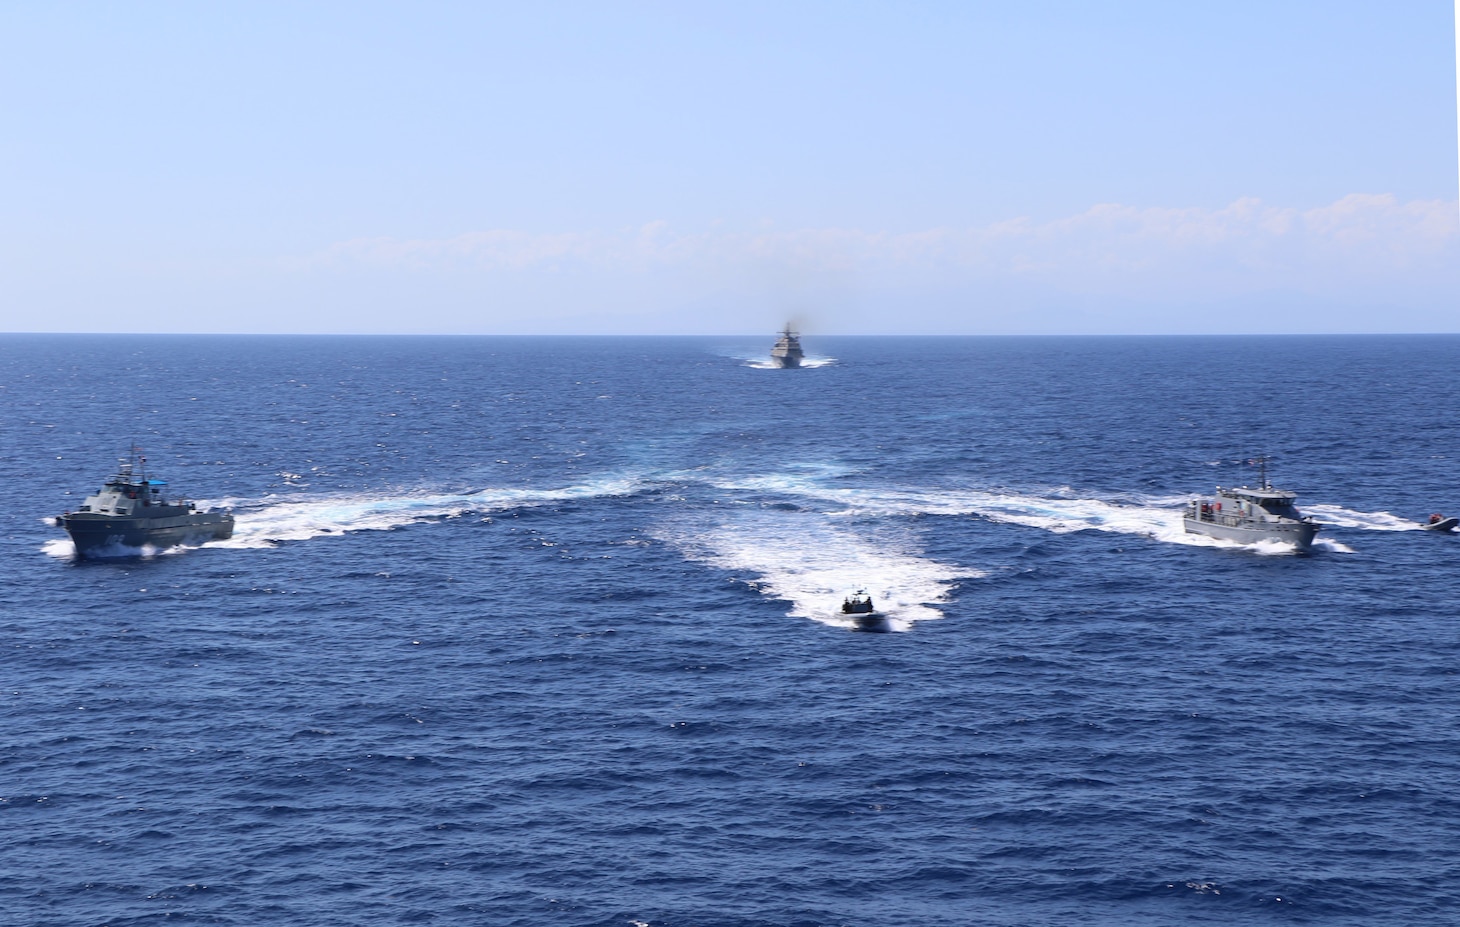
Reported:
(1362, 234)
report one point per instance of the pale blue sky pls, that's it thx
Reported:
(646, 167)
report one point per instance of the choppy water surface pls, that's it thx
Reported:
(546, 631)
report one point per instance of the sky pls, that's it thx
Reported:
(622, 167)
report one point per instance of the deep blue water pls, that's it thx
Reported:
(544, 632)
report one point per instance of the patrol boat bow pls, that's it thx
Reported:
(131, 512)
(1247, 515)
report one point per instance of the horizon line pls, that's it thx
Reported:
(757, 334)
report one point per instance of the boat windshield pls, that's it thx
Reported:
(1283, 507)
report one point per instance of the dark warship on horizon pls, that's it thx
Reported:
(787, 351)
(131, 512)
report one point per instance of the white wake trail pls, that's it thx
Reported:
(812, 562)
(767, 363)
(1158, 518)
(1368, 521)
(303, 518)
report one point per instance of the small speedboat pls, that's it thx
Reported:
(1439, 522)
(858, 607)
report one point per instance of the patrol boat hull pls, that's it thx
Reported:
(1300, 534)
(103, 536)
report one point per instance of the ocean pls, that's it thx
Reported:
(546, 631)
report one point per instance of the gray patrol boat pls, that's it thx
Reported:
(787, 351)
(1249, 514)
(131, 511)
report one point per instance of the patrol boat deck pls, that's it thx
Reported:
(131, 512)
(1247, 515)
